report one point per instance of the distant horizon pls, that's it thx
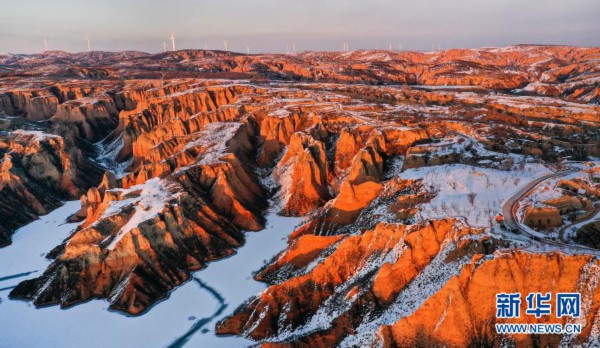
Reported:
(303, 51)
(269, 26)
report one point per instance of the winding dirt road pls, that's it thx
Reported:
(513, 224)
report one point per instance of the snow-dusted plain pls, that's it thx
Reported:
(475, 193)
(188, 317)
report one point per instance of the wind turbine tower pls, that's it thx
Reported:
(225, 44)
(87, 38)
(165, 46)
(46, 44)
(247, 49)
(172, 38)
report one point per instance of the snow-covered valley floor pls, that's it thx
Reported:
(187, 317)
(474, 193)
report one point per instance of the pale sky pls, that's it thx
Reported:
(268, 25)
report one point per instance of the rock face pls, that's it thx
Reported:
(144, 244)
(357, 304)
(462, 313)
(175, 156)
(303, 174)
(37, 171)
(384, 261)
(137, 243)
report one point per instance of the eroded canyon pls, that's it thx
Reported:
(398, 162)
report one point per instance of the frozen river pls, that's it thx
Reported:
(187, 317)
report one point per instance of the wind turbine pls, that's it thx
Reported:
(46, 44)
(87, 38)
(247, 49)
(294, 47)
(165, 46)
(225, 44)
(390, 47)
(172, 38)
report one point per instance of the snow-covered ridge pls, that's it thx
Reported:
(37, 135)
(149, 199)
(214, 140)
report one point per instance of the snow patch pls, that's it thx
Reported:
(470, 192)
(153, 195)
